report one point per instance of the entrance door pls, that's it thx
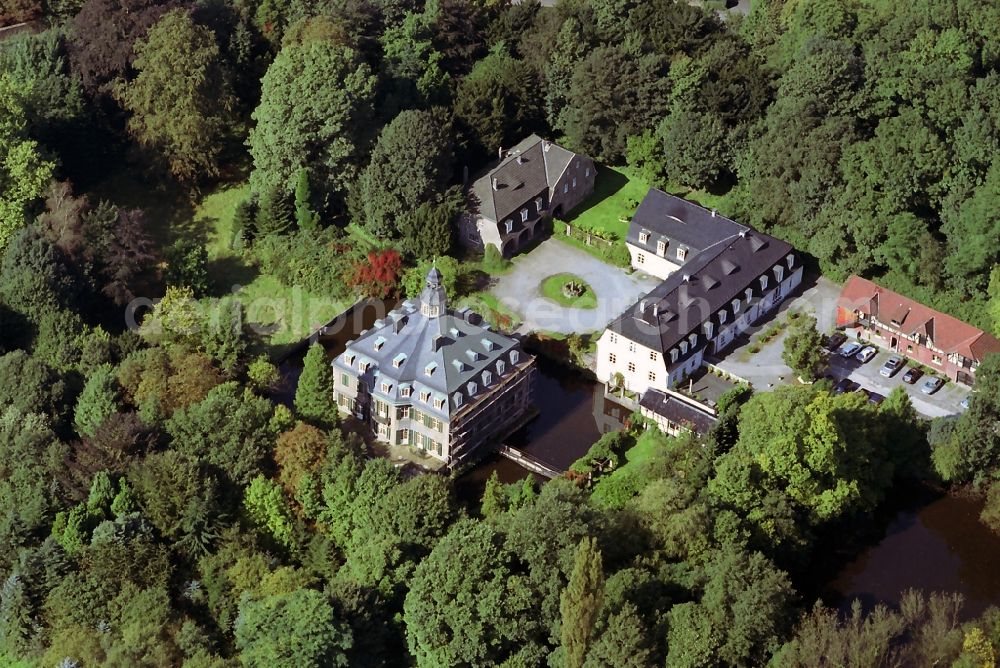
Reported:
(893, 343)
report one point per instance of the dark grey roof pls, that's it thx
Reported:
(677, 411)
(526, 170)
(700, 289)
(680, 223)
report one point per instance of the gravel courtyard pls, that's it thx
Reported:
(616, 290)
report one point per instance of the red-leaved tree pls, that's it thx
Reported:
(377, 275)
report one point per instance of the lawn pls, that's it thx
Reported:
(615, 489)
(552, 288)
(617, 193)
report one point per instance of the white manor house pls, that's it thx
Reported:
(727, 277)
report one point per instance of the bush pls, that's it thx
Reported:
(608, 447)
(314, 261)
(493, 262)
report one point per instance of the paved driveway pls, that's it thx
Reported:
(520, 289)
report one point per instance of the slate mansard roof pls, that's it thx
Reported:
(530, 167)
(680, 223)
(452, 355)
(705, 285)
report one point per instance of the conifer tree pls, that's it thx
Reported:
(98, 400)
(274, 215)
(306, 218)
(581, 601)
(314, 395)
(494, 497)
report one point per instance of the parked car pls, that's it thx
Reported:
(931, 385)
(846, 385)
(912, 374)
(835, 340)
(849, 349)
(875, 397)
(891, 366)
(866, 354)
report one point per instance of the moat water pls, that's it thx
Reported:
(930, 542)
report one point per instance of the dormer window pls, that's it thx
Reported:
(501, 367)
(524, 215)
(386, 388)
(790, 260)
(399, 360)
(379, 342)
(673, 355)
(538, 203)
(405, 391)
(425, 396)
(709, 328)
(763, 282)
(722, 316)
(779, 272)
(693, 339)
(430, 368)
(515, 356)
(736, 306)
(472, 355)
(350, 359)
(489, 345)
(509, 224)
(439, 403)
(661, 247)
(749, 294)
(684, 347)
(457, 398)
(472, 388)
(643, 237)
(487, 378)
(682, 254)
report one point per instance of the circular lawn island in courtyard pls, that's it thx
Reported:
(569, 290)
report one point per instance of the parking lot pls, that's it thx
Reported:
(946, 401)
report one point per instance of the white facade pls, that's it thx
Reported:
(642, 368)
(654, 264)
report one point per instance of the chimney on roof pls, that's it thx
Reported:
(642, 306)
(713, 213)
(520, 159)
(687, 278)
(500, 153)
(496, 184)
(546, 145)
(437, 343)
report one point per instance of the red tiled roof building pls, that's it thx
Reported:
(897, 323)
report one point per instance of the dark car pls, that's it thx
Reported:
(875, 397)
(846, 385)
(835, 340)
(912, 375)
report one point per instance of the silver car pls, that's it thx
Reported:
(849, 349)
(891, 366)
(867, 354)
(931, 385)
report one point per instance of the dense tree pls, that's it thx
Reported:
(969, 451)
(103, 37)
(803, 348)
(24, 171)
(696, 144)
(581, 601)
(410, 166)
(300, 452)
(228, 428)
(187, 266)
(316, 103)
(494, 502)
(181, 120)
(305, 217)
(30, 386)
(289, 630)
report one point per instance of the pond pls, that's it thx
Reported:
(936, 543)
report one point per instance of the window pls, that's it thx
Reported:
(405, 391)
(379, 342)
(430, 368)
(653, 355)
(673, 355)
(439, 403)
(652, 376)
(613, 358)
(473, 388)
(402, 412)
(631, 346)
(386, 388)
(524, 215)
(515, 356)
(682, 254)
(640, 259)
(749, 294)
(684, 347)
(936, 359)
(404, 436)
(574, 182)
(643, 237)
(631, 367)
(722, 317)
(586, 172)
(509, 225)
(565, 188)
(501, 367)
(661, 247)
(538, 203)
(457, 398)
(487, 378)
(398, 360)
(736, 306)
(425, 396)
(693, 339)
(614, 338)
(763, 282)
(344, 380)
